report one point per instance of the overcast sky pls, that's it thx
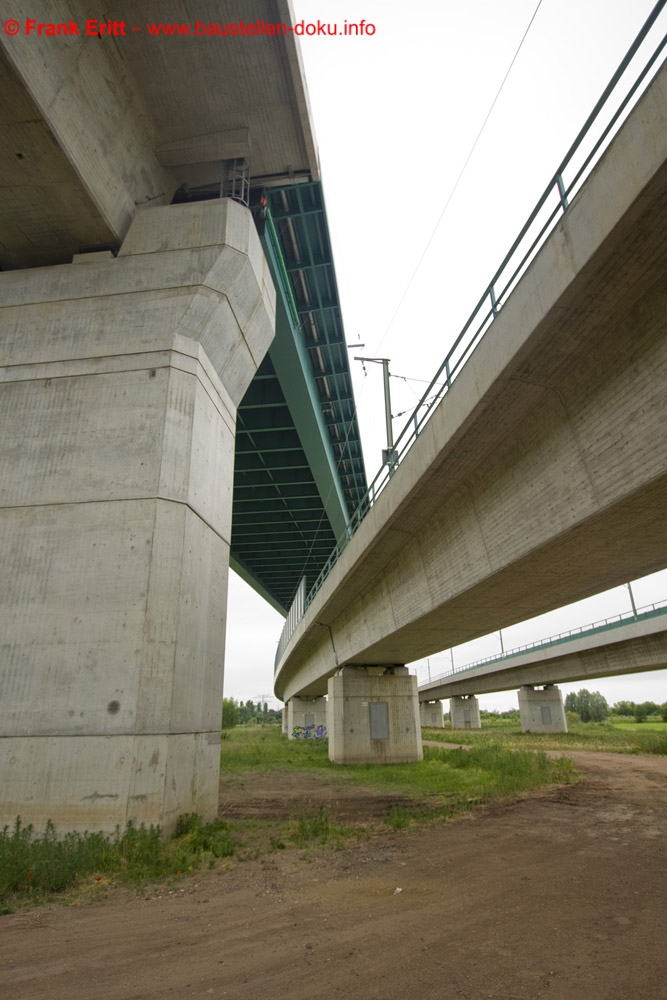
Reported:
(422, 209)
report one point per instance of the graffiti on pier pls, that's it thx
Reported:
(309, 733)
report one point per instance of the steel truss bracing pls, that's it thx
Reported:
(299, 472)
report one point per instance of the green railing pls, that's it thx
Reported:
(618, 98)
(595, 628)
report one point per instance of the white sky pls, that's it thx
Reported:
(396, 115)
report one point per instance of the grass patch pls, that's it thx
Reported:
(266, 748)
(444, 783)
(317, 827)
(448, 782)
(613, 737)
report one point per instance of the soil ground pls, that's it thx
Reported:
(562, 894)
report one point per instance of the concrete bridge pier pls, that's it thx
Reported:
(541, 709)
(306, 717)
(374, 716)
(464, 712)
(119, 385)
(431, 714)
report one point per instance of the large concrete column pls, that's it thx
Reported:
(431, 714)
(541, 710)
(306, 718)
(118, 397)
(374, 716)
(464, 712)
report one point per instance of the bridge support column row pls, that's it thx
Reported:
(118, 395)
(374, 716)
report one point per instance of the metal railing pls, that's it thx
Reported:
(585, 152)
(604, 625)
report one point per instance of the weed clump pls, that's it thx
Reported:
(34, 867)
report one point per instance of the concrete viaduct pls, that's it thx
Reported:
(541, 477)
(631, 645)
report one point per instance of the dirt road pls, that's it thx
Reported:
(562, 895)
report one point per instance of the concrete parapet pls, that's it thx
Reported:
(464, 712)
(374, 716)
(542, 710)
(118, 397)
(431, 714)
(306, 718)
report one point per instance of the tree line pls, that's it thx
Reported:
(591, 706)
(240, 713)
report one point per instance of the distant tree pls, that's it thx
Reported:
(230, 713)
(599, 708)
(247, 712)
(663, 712)
(640, 713)
(590, 707)
(624, 708)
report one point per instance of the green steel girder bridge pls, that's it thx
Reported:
(299, 471)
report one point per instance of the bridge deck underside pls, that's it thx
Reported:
(280, 528)
(299, 471)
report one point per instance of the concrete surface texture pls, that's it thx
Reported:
(94, 128)
(541, 710)
(373, 716)
(118, 397)
(541, 477)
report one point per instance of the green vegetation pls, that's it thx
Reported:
(444, 783)
(641, 712)
(589, 706)
(617, 735)
(500, 763)
(264, 748)
(33, 868)
(242, 713)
